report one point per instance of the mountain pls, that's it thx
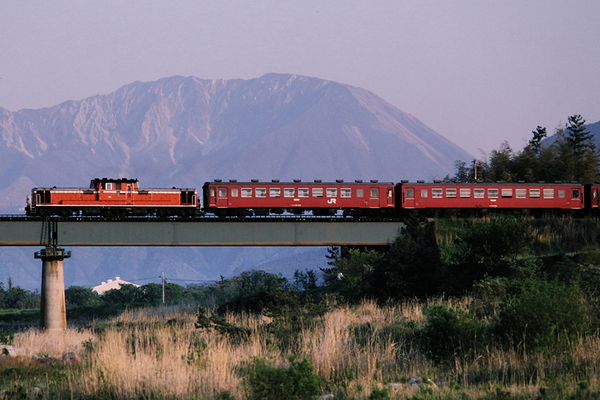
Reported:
(183, 131)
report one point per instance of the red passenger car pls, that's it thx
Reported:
(541, 196)
(112, 197)
(322, 198)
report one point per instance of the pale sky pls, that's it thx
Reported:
(477, 71)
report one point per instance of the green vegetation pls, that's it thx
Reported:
(571, 157)
(504, 307)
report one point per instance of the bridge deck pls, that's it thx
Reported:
(30, 232)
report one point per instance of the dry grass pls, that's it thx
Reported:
(53, 343)
(160, 352)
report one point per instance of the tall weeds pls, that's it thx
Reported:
(353, 349)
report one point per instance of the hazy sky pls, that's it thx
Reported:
(476, 71)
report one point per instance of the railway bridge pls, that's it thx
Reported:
(20, 230)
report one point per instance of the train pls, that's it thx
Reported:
(124, 197)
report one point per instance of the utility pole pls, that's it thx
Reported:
(163, 283)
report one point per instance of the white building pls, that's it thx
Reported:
(111, 284)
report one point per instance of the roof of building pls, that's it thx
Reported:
(112, 284)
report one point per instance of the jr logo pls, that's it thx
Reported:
(331, 201)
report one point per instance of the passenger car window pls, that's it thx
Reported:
(410, 193)
(548, 193)
(493, 193)
(437, 193)
(274, 192)
(575, 194)
(507, 193)
(302, 192)
(520, 193)
(561, 194)
(479, 193)
(451, 193)
(345, 192)
(359, 193)
(374, 192)
(534, 193)
(317, 192)
(423, 193)
(222, 192)
(234, 192)
(246, 192)
(289, 192)
(260, 192)
(465, 192)
(331, 192)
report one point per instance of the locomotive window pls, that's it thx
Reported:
(534, 193)
(465, 192)
(345, 192)
(374, 192)
(575, 194)
(479, 193)
(234, 192)
(317, 192)
(437, 193)
(360, 192)
(561, 194)
(289, 192)
(222, 192)
(246, 192)
(493, 193)
(423, 193)
(274, 192)
(261, 192)
(548, 193)
(410, 193)
(109, 186)
(302, 192)
(331, 192)
(451, 193)
(506, 192)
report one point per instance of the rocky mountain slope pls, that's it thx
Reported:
(183, 131)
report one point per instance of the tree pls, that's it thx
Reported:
(579, 138)
(463, 173)
(536, 142)
(126, 294)
(305, 280)
(485, 248)
(410, 266)
(584, 160)
(81, 296)
(500, 164)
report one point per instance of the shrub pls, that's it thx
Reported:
(450, 332)
(379, 394)
(266, 382)
(543, 316)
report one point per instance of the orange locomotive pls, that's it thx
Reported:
(112, 197)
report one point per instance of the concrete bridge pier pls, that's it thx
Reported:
(53, 310)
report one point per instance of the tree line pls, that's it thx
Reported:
(570, 155)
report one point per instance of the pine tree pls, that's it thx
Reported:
(578, 137)
(584, 162)
(536, 142)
